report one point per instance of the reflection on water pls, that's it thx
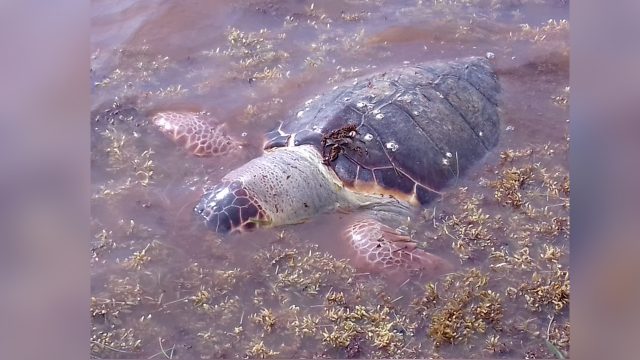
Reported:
(164, 286)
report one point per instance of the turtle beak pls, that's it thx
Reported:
(228, 207)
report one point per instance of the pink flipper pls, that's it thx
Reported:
(381, 248)
(195, 132)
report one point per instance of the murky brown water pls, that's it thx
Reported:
(164, 286)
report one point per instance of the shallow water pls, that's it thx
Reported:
(165, 286)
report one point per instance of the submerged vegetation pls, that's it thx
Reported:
(162, 290)
(509, 296)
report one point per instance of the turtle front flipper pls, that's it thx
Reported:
(382, 249)
(197, 132)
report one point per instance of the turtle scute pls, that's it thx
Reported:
(411, 129)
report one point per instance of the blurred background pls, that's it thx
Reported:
(50, 70)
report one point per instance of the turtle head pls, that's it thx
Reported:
(286, 185)
(229, 207)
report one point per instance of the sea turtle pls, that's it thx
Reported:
(383, 145)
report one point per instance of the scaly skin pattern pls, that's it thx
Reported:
(195, 131)
(229, 206)
(395, 140)
(381, 248)
(290, 185)
(284, 186)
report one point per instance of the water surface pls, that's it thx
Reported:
(163, 286)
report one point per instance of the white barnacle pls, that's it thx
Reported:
(347, 99)
(449, 155)
(361, 104)
(406, 98)
(445, 161)
(490, 55)
(299, 114)
(379, 116)
(480, 133)
(243, 134)
(368, 137)
(308, 102)
(391, 145)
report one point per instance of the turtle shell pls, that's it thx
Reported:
(405, 132)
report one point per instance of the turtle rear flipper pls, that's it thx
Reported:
(380, 248)
(196, 132)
